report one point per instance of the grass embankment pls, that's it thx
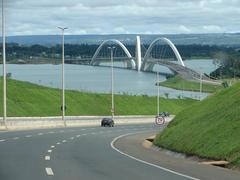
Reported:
(208, 129)
(27, 99)
(179, 83)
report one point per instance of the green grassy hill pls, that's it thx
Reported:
(210, 128)
(26, 99)
(177, 82)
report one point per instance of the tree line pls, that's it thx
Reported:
(15, 51)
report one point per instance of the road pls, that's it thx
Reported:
(89, 153)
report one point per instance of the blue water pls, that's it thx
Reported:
(98, 79)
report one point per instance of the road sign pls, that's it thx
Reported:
(159, 120)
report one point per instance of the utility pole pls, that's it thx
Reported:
(4, 68)
(158, 88)
(200, 90)
(63, 79)
(112, 81)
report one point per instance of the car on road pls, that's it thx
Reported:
(164, 114)
(107, 122)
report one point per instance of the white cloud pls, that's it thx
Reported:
(120, 30)
(122, 16)
(184, 29)
(212, 29)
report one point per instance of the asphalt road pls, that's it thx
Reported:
(88, 153)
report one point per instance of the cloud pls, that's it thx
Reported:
(212, 29)
(122, 16)
(184, 29)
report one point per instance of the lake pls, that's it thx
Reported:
(98, 79)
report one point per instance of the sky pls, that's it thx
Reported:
(41, 17)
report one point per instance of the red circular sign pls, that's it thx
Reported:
(159, 120)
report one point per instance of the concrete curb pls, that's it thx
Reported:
(148, 144)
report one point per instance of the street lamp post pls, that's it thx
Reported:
(200, 90)
(63, 79)
(158, 88)
(4, 68)
(112, 81)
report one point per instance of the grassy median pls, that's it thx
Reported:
(27, 99)
(209, 129)
(179, 83)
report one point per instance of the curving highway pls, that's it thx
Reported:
(91, 153)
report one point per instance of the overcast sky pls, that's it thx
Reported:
(35, 17)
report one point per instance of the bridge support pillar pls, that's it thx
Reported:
(138, 54)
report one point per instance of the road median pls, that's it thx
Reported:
(15, 123)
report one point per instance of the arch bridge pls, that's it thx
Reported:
(129, 60)
(147, 63)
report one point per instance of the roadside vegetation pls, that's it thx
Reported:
(209, 129)
(228, 65)
(177, 82)
(27, 99)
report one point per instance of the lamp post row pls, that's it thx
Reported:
(4, 71)
(4, 68)
(63, 75)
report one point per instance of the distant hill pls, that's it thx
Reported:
(183, 39)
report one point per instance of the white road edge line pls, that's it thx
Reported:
(49, 171)
(150, 164)
(47, 158)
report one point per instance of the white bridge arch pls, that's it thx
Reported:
(146, 66)
(131, 63)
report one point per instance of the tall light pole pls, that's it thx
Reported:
(158, 88)
(63, 82)
(112, 80)
(200, 90)
(4, 68)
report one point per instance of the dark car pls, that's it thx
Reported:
(107, 122)
(164, 114)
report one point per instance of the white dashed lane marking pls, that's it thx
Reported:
(49, 171)
(58, 143)
(47, 158)
(28, 136)
(52, 147)
(49, 151)
(2, 140)
(15, 138)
